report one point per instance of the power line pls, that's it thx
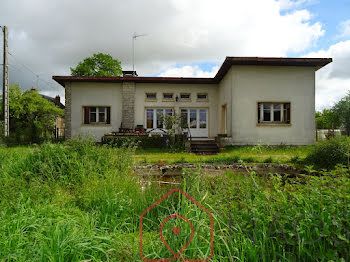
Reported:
(31, 71)
(27, 68)
(23, 64)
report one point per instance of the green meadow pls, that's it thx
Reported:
(76, 201)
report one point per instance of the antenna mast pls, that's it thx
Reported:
(134, 36)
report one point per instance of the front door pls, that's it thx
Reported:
(197, 121)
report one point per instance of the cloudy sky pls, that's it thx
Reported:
(184, 37)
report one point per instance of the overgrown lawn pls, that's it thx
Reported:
(80, 202)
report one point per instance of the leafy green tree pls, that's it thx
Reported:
(327, 119)
(98, 65)
(342, 111)
(32, 118)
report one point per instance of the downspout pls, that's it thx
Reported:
(231, 103)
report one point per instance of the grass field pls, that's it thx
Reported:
(256, 154)
(80, 202)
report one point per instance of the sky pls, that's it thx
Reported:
(188, 38)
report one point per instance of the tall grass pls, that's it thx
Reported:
(77, 201)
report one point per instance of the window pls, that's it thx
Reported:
(151, 96)
(184, 116)
(149, 118)
(185, 96)
(160, 118)
(274, 113)
(193, 118)
(155, 117)
(97, 115)
(202, 118)
(168, 96)
(202, 96)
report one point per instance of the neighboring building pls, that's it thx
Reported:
(59, 125)
(251, 100)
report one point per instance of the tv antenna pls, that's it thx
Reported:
(134, 36)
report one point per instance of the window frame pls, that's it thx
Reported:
(202, 99)
(283, 109)
(168, 99)
(155, 116)
(86, 111)
(150, 98)
(185, 99)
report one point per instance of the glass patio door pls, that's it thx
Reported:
(197, 121)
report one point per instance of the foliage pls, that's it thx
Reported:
(98, 65)
(281, 219)
(141, 142)
(48, 214)
(223, 160)
(329, 153)
(327, 119)
(32, 118)
(56, 201)
(342, 111)
(174, 124)
(280, 154)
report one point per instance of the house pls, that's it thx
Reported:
(250, 100)
(59, 124)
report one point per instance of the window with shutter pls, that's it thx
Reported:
(97, 115)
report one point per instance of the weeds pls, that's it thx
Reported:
(77, 201)
(328, 153)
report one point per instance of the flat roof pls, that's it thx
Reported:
(317, 63)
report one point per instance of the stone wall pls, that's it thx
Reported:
(128, 114)
(67, 111)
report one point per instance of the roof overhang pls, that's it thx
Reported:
(169, 80)
(317, 63)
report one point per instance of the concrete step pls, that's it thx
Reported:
(204, 147)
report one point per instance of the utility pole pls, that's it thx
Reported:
(5, 89)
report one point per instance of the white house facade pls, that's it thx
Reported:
(251, 100)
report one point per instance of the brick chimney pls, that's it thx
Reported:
(57, 100)
(129, 73)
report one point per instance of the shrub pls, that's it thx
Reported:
(249, 159)
(223, 159)
(268, 160)
(68, 163)
(296, 160)
(329, 153)
(139, 141)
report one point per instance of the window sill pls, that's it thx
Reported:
(151, 100)
(97, 124)
(185, 100)
(168, 100)
(202, 100)
(274, 124)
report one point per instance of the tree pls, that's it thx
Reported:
(98, 65)
(327, 119)
(32, 118)
(342, 111)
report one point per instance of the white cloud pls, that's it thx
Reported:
(333, 81)
(344, 28)
(180, 32)
(290, 4)
(189, 71)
